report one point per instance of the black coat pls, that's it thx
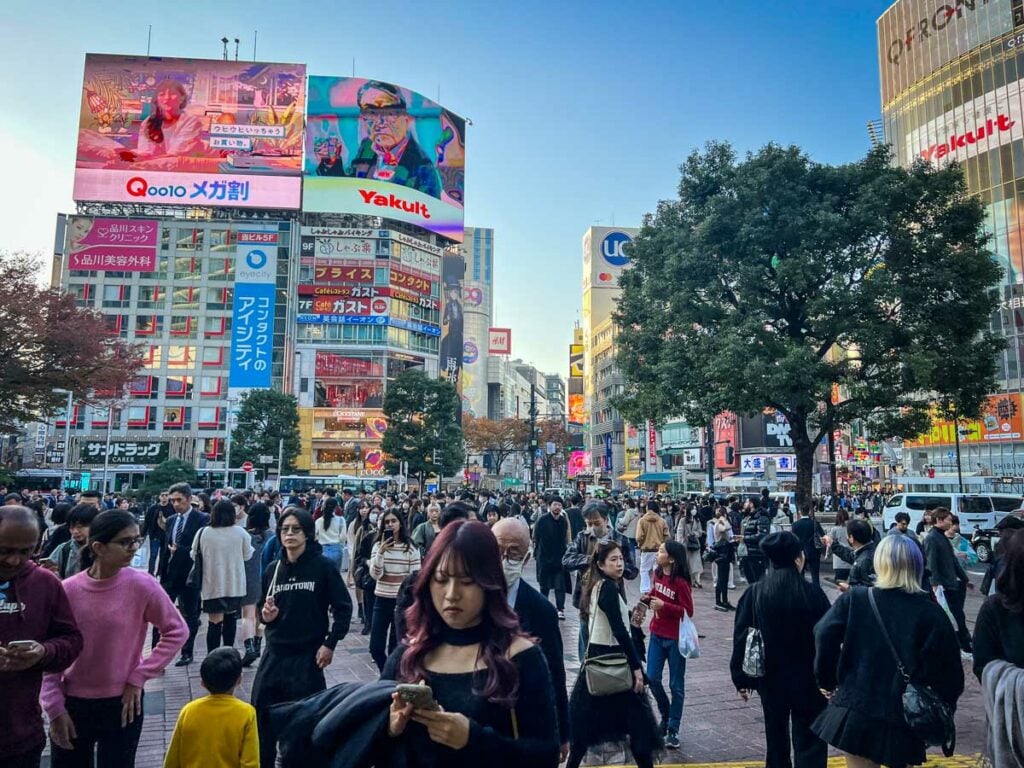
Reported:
(576, 521)
(854, 660)
(940, 560)
(862, 571)
(552, 538)
(177, 565)
(804, 529)
(539, 619)
(789, 644)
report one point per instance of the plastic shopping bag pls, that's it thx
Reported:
(940, 598)
(689, 644)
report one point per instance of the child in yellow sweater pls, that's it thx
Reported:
(216, 731)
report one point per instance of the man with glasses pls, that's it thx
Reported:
(537, 616)
(182, 527)
(389, 152)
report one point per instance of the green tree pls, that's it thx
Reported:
(422, 426)
(778, 282)
(265, 416)
(166, 474)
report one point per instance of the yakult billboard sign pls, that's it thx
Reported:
(987, 122)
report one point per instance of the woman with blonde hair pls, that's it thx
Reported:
(858, 670)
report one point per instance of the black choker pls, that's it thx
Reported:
(468, 636)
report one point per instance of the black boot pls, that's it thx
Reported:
(250, 653)
(230, 629)
(259, 645)
(213, 636)
(360, 613)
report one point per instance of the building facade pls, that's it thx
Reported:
(952, 82)
(478, 304)
(604, 259)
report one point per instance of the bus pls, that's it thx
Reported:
(298, 483)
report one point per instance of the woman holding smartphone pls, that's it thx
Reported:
(95, 706)
(392, 558)
(491, 683)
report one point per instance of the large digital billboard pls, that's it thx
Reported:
(190, 132)
(377, 149)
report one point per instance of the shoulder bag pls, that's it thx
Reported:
(929, 717)
(195, 576)
(608, 673)
(753, 651)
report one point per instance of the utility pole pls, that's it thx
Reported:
(711, 455)
(533, 437)
(832, 460)
(959, 470)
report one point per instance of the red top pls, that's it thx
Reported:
(677, 597)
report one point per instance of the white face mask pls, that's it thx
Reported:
(513, 571)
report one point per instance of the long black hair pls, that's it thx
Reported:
(403, 534)
(329, 508)
(103, 530)
(680, 562)
(594, 576)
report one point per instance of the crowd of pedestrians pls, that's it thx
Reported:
(475, 651)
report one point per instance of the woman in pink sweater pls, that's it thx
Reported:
(96, 703)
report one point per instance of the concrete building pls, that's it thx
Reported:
(478, 305)
(604, 259)
(554, 386)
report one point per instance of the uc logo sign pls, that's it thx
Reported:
(611, 248)
(256, 259)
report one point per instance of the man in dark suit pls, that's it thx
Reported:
(537, 616)
(944, 571)
(808, 531)
(182, 528)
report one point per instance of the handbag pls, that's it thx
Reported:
(927, 714)
(753, 650)
(195, 576)
(608, 673)
(693, 543)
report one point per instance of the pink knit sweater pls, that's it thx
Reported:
(113, 616)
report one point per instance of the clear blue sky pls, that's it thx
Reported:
(582, 111)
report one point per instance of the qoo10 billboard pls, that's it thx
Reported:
(377, 149)
(191, 132)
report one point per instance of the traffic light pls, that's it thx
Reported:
(730, 454)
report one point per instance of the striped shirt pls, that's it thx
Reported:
(389, 568)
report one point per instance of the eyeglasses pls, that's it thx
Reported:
(129, 543)
(291, 529)
(514, 560)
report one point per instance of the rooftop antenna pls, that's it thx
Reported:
(236, 49)
(255, 34)
(225, 41)
(149, 39)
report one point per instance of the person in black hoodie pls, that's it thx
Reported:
(300, 592)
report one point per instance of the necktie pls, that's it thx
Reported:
(179, 530)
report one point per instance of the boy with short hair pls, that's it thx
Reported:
(219, 730)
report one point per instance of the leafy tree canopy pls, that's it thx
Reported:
(497, 438)
(830, 293)
(422, 425)
(166, 474)
(47, 342)
(264, 417)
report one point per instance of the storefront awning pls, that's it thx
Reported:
(629, 476)
(658, 477)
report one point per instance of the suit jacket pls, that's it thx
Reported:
(538, 618)
(940, 560)
(179, 563)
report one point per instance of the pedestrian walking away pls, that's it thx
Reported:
(784, 608)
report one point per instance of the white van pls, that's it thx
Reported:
(975, 510)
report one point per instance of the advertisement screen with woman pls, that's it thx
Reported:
(191, 132)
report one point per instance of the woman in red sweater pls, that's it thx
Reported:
(670, 597)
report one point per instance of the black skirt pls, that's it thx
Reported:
(616, 719)
(881, 741)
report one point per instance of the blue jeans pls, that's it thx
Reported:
(660, 649)
(335, 553)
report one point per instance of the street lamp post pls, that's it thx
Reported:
(106, 451)
(227, 445)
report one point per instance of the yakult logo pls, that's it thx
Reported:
(961, 140)
(371, 197)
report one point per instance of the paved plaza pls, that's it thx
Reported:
(718, 728)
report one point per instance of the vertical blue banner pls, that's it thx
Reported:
(252, 319)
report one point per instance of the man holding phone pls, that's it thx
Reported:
(37, 634)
